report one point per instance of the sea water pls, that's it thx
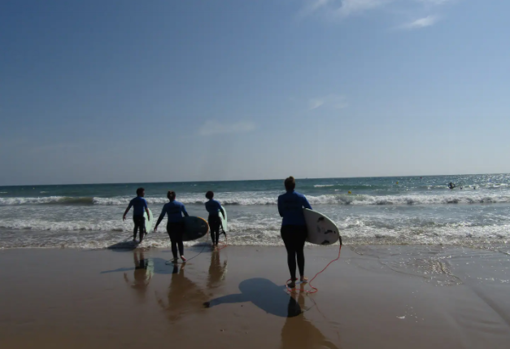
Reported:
(379, 210)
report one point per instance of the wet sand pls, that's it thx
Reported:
(373, 297)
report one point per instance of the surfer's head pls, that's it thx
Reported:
(209, 195)
(290, 183)
(170, 195)
(140, 192)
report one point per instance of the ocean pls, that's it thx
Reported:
(368, 211)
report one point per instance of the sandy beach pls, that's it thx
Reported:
(374, 296)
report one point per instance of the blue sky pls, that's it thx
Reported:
(133, 91)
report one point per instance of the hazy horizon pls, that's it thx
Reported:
(247, 180)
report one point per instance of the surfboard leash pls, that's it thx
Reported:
(198, 254)
(315, 289)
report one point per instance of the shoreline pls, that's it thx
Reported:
(374, 296)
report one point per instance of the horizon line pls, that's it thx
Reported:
(251, 180)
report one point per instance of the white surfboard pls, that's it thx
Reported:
(321, 229)
(149, 224)
(223, 220)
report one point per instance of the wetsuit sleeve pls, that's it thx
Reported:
(183, 209)
(306, 204)
(280, 207)
(145, 204)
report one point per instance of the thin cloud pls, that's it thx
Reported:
(212, 127)
(333, 101)
(341, 9)
(436, 2)
(421, 23)
(352, 7)
(312, 6)
(315, 103)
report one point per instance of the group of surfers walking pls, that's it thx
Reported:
(290, 207)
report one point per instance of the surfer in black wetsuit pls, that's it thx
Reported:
(451, 185)
(175, 224)
(139, 206)
(214, 208)
(293, 231)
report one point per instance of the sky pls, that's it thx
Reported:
(161, 91)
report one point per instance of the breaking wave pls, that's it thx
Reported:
(249, 200)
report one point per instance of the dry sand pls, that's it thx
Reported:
(373, 297)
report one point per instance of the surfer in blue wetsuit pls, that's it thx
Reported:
(175, 225)
(214, 208)
(139, 206)
(293, 231)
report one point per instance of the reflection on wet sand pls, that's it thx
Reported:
(298, 332)
(184, 296)
(217, 271)
(142, 274)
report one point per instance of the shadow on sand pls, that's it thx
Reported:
(298, 331)
(264, 294)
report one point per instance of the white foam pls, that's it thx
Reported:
(44, 200)
(250, 199)
(72, 226)
(247, 232)
(447, 235)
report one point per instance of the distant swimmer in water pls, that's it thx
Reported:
(451, 185)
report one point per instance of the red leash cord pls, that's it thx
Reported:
(223, 244)
(334, 260)
(315, 289)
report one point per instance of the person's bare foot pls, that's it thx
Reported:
(183, 258)
(303, 279)
(292, 283)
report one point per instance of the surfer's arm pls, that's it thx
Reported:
(146, 209)
(127, 210)
(161, 216)
(306, 204)
(280, 208)
(184, 211)
(222, 212)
